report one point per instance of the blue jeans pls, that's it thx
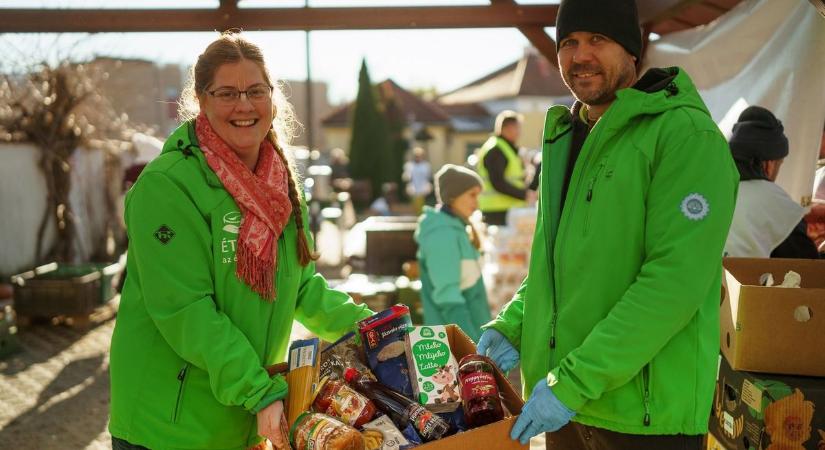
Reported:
(120, 444)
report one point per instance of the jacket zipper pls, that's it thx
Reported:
(589, 197)
(181, 379)
(556, 278)
(646, 383)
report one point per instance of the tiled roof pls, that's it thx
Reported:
(412, 107)
(532, 75)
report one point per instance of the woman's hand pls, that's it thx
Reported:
(269, 424)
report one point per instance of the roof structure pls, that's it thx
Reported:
(656, 16)
(409, 105)
(532, 75)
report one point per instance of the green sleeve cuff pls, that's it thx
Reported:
(512, 333)
(276, 392)
(565, 390)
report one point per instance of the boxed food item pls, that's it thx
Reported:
(495, 435)
(383, 336)
(433, 368)
(771, 412)
(774, 329)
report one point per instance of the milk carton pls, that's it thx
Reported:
(433, 368)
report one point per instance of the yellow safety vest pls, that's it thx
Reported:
(490, 199)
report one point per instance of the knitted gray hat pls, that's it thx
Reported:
(452, 181)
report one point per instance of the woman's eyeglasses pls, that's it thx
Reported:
(229, 95)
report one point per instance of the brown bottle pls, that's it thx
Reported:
(479, 391)
(400, 409)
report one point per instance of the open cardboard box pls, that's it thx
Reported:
(493, 436)
(772, 329)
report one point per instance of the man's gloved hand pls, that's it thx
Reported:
(495, 346)
(543, 412)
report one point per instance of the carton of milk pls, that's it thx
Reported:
(433, 368)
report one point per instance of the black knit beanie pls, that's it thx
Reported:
(757, 136)
(616, 19)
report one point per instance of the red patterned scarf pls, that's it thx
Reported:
(263, 198)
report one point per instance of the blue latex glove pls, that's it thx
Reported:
(496, 347)
(542, 413)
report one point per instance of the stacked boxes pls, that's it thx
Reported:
(770, 390)
(762, 411)
(508, 255)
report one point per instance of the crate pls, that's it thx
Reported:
(390, 244)
(57, 289)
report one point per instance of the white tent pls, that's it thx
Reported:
(763, 52)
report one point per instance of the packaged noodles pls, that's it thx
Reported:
(302, 376)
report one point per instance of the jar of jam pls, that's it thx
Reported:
(336, 399)
(479, 391)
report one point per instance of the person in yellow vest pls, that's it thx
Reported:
(502, 170)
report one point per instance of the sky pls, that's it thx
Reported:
(440, 59)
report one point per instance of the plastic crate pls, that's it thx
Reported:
(57, 289)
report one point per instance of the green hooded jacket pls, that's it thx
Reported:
(452, 290)
(192, 341)
(620, 308)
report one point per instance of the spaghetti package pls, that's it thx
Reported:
(302, 376)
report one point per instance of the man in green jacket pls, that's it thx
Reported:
(617, 323)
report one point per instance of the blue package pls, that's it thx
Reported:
(411, 435)
(455, 419)
(383, 338)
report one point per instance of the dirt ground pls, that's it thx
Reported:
(54, 392)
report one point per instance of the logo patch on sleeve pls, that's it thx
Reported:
(695, 207)
(164, 234)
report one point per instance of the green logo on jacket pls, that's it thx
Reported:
(164, 234)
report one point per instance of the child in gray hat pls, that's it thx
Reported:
(452, 290)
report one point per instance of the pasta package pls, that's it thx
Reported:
(302, 376)
(383, 338)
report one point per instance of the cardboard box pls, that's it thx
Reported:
(771, 412)
(772, 329)
(493, 436)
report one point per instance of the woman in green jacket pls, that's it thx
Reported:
(219, 266)
(452, 290)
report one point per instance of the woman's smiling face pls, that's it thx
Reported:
(242, 123)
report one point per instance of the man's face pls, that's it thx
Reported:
(511, 131)
(594, 67)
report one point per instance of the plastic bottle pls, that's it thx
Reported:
(400, 409)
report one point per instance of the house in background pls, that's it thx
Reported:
(148, 93)
(451, 127)
(528, 86)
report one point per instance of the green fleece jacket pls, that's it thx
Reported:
(620, 308)
(192, 341)
(452, 290)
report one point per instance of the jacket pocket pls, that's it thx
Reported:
(179, 398)
(591, 190)
(646, 376)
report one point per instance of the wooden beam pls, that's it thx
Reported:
(536, 35)
(275, 19)
(542, 42)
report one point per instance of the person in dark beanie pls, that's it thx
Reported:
(767, 222)
(452, 290)
(616, 324)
